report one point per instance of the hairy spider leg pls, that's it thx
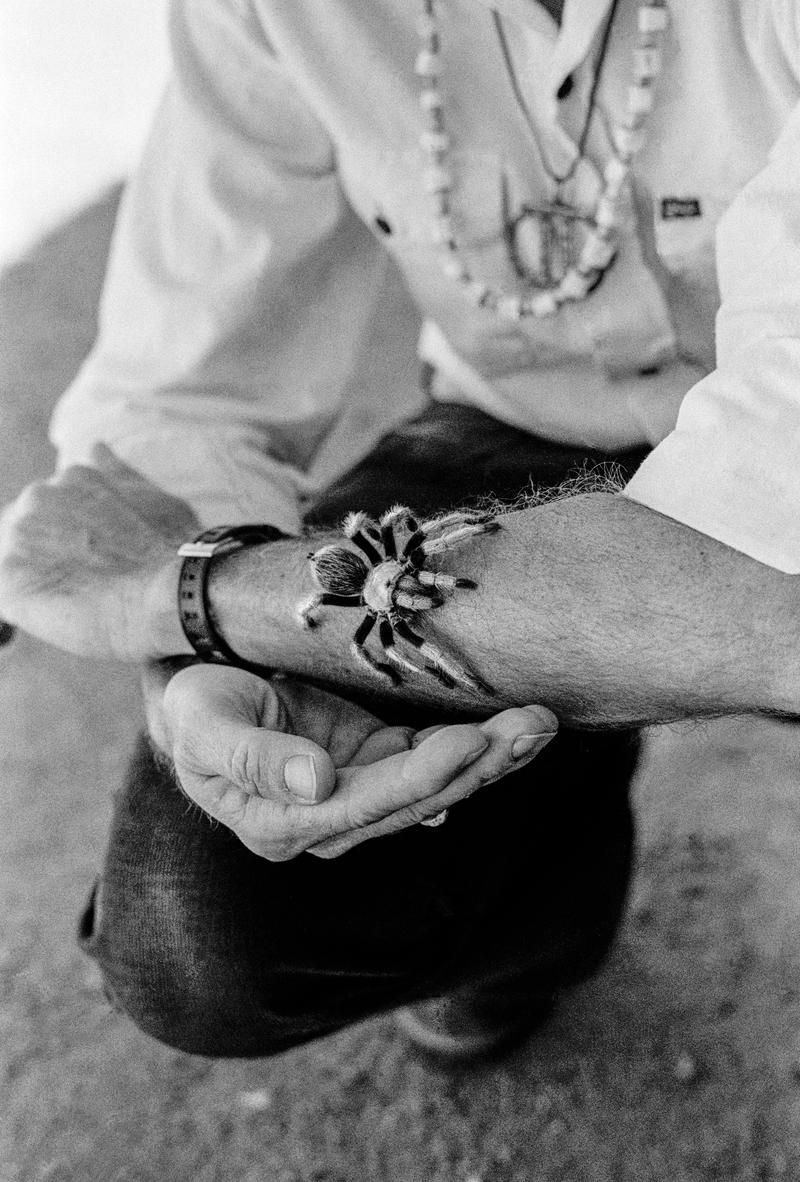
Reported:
(418, 600)
(450, 540)
(410, 593)
(424, 649)
(360, 652)
(388, 540)
(430, 578)
(448, 521)
(410, 583)
(364, 544)
(398, 517)
(386, 633)
(356, 527)
(439, 663)
(358, 520)
(325, 597)
(452, 522)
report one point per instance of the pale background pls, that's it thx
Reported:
(78, 82)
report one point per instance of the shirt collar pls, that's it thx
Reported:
(579, 26)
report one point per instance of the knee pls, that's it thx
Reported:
(192, 1010)
(177, 983)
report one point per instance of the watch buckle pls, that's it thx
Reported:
(199, 549)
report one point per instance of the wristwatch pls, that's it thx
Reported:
(193, 607)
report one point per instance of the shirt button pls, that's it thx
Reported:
(565, 89)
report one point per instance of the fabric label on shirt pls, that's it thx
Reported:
(680, 207)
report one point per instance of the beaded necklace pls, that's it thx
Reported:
(557, 222)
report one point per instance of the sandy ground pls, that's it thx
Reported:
(680, 1062)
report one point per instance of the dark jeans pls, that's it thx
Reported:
(218, 952)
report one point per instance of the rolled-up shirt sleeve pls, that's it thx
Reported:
(237, 291)
(731, 467)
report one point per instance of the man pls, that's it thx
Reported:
(551, 186)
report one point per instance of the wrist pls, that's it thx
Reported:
(160, 631)
(252, 597)
(198, 621)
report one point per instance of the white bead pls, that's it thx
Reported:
(427, 65)
(615, 175)
(574, 286)
(544, 303)
(629, 141)
(615, 171)
(435, 141)
(455, 269)
(597, 254)
(633, 120)
(427, 25)
(437, 180)
(646, 62)
(509, 307)
(652, 18)
(431, 99)
(605, 215)
(476, 291)
(640, 99)
(443, 232)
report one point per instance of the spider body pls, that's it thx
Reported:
(381, 585)
(391, 580)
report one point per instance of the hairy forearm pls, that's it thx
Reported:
(595, 606)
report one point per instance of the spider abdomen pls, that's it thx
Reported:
(339, 570)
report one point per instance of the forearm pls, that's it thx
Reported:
(595, 606)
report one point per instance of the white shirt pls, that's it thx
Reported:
(247, 251)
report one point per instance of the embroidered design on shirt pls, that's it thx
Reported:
(680, 207)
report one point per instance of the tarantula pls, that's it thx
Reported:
(392, 583)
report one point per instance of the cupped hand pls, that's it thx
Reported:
(88, 561)
(291, 768)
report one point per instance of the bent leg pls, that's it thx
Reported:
(218, 952)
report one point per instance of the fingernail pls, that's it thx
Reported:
(541, 721)
(300, 776)
(530, 744)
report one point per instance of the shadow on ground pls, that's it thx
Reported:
(681, 1061)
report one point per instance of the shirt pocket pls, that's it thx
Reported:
(685, 228)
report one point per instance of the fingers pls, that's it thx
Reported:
(366, 795)
(388, 740)
(339, 726)
(229, 725)
(236, 756)
(511, 739)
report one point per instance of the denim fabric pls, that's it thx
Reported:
(218, 952)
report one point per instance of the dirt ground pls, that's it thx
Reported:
(680, 1062)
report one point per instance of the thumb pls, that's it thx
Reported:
(229, 723)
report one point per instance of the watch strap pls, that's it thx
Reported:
(193, 606)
